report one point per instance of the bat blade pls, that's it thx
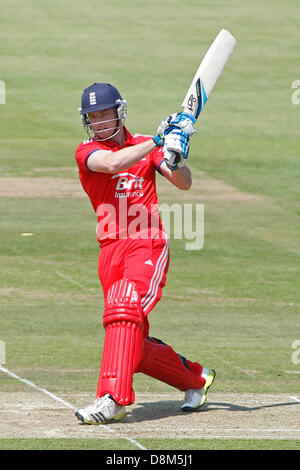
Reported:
(208, 73)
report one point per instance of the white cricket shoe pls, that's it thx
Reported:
(104, 410)
(196, 397)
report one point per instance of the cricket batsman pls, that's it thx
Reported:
(117, 171)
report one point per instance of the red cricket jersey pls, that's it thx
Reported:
(126, 203)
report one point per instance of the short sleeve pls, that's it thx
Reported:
(82, 153)
(157, 157)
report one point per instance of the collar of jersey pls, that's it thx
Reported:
(113, 145)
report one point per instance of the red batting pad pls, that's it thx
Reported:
(123, 322)
(161, 362)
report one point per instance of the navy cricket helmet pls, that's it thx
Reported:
(98, 97)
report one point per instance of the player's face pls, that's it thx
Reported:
(104, 122)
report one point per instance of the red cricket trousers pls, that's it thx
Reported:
(144, 262)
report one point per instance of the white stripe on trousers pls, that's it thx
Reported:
(149, 298)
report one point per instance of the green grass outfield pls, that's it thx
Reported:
(234, 305)
(155, 444)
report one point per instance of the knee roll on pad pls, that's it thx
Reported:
(123, 304)
(123, 320)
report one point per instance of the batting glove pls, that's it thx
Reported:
(176, 148)
(182, 121)
(158, 140)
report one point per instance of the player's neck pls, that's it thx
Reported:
(120, 137)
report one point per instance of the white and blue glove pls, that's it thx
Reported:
(182, 121)
(176, 130)
(176, 148)
(159, 140)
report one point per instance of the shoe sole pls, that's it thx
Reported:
(209, 381)
(118, 417)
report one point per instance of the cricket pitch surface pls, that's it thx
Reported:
(225, 416)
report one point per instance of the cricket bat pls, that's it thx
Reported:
(208, 73)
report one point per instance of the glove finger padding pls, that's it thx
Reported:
(176, 148)
(182, 121)
(173, 159)
(165, 124)
(185, 122)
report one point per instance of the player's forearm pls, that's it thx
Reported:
(113, 162)
(181, 178)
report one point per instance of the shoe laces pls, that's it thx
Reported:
(190, 393)
(94, 406)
